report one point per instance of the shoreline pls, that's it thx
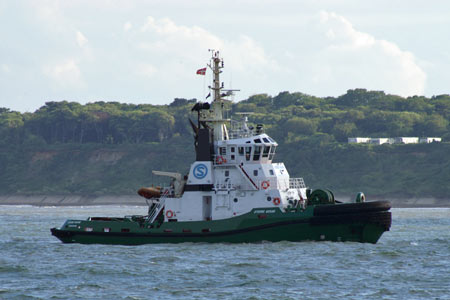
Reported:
(135, 200)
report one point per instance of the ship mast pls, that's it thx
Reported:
(216, 113)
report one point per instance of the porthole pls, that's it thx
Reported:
(235, 199)
(269, 198)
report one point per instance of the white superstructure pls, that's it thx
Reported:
(233, 172)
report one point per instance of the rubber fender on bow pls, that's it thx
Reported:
(351, 208)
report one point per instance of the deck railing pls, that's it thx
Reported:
(281, 184)
(297, 183)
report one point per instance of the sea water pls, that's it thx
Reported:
(412, 261)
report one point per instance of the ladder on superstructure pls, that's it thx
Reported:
(158, 207)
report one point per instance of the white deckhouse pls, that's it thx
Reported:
(233, 172)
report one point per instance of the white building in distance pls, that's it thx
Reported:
(397, 140)
(380, 141)
(358, 140)
(406, 140)
(430, 140)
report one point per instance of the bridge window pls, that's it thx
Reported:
(272, 153)
(258, 141)
(257, 153)
(266, 151)
(248, 150)
(266, 140)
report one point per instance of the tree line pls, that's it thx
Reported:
(288, 117)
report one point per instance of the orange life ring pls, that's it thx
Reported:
(265, 184)
(169, 214)
(276, 201)
(220, 160)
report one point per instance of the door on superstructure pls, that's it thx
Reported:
(207, 208)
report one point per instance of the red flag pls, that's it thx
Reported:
(201, 71)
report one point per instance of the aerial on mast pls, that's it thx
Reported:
(216, 113)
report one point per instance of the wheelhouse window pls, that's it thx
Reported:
(266, 140)
(272, 153)
(257, 153)
(248, 151)
(258, 141)
(266, 151)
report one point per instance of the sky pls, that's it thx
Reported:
(139, 51)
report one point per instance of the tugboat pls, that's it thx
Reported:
(234, 193)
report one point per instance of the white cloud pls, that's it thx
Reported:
(81, 39)
(353, 59)
(179, 48)
(65, 74)
(5, 68)
(146, 70)
(127, 26)
(109, 50)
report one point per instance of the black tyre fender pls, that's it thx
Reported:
(351, 208)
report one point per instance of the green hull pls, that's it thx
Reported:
(340, 222)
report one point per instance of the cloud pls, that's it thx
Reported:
(146, 70)
(127, 26)
(111, 50)
(81, 39)
(65, 74)
(349, 58)
(5, 68)
(174, 50)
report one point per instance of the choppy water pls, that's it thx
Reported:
(412, 261)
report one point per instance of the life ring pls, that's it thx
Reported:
(169, 214)
(276, 201)
(220, 160)
(265, 184)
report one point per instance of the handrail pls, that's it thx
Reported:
(158, 207)
(248, 177)
(281, 183)
(297, 183)
(221, 160)
(224, 186)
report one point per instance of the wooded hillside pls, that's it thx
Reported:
(54, 149)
